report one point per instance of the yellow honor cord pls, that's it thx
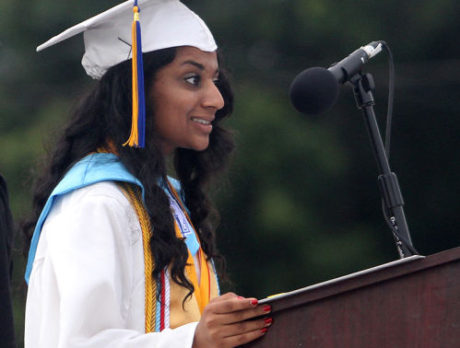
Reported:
(202, 289)
(149, 264)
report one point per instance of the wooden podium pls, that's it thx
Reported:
(413, 302)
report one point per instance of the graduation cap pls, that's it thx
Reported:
(114, 36)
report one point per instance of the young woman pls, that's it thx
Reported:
(123, 255)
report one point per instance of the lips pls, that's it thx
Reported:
(203, 125)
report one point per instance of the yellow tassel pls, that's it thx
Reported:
(133, 139)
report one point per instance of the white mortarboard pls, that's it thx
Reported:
(113, 37)
(107, 36)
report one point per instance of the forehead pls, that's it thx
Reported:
(186, 54)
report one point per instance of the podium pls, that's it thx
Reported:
(412, 302)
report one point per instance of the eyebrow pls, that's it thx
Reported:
(191, 62)
(196, 64)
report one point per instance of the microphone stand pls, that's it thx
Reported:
(363, 87)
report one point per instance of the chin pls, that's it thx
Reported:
(200, 146)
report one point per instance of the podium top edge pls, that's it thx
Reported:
(343, 278)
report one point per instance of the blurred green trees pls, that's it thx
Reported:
(300, 204)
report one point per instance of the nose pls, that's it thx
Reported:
(213, 98)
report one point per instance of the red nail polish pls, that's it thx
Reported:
(254, 302)
(267, 308)
(264, 330)
(268, 321)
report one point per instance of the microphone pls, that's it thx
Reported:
(315, 90)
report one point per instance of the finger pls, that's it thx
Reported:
(234, 317)
(238, 340)
(233, 305)
(245, 326)
(227, 295)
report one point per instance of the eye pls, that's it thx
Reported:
(193, 79)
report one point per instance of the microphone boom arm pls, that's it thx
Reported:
(363, 87)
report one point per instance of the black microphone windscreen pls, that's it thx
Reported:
(314, 90)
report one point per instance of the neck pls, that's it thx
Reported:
(169, 162)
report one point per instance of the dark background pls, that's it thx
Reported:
(300, 203)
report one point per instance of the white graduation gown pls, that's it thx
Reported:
(87, 284)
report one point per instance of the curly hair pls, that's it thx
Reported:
(105, 115)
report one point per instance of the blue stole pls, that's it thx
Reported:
(92, 169)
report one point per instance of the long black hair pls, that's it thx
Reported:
(103, 116)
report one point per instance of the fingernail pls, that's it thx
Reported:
(264, 330)
(254, 302)
(268, 321)
(267, 308)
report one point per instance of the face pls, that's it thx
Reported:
(186, 99)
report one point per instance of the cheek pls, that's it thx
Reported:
(169, 98)
(172, 108)
(162, 119)
(170, 117)
(161, 105)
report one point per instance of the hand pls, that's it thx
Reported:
(225, 324)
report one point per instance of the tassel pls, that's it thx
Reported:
(137, 136)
